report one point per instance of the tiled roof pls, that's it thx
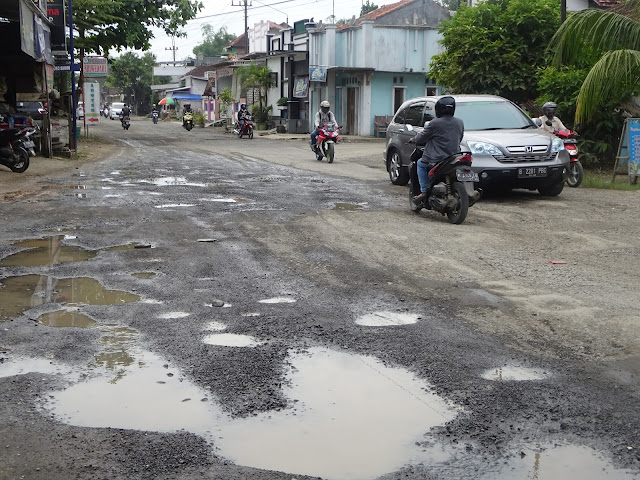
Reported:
(200, 71)
(239, 40)
(377, 13)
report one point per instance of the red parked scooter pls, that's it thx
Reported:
(576, 171)
(325, 143)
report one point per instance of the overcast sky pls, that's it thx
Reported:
(221, 13)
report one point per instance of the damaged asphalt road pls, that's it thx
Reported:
(192, 305)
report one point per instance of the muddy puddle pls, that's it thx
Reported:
(387, 319)
(560, 462)
(22, 293)
(140, 390)
(349, 207)
(52, 251)
(515, 373)
(230, 340)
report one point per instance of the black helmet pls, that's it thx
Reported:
(549, 109)
(445, 107)
(243, 106)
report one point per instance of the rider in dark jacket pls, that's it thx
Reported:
(441, 138)
(125, 112)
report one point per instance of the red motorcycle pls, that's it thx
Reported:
(576, 171)
(325, 143)
(247, 129)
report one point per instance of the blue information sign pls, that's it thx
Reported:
(634, 146)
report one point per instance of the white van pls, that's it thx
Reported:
(115, 110)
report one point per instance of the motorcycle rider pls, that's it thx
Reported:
(323, 116)
(243, 116)
(441, 139)
(125, 112)
(549, 115)
(185, 110)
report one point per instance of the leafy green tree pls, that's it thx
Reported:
(367, 7)
(103, 25)
(257, 77)
(496, 47)
(214, 42)
(615, 35)
(134, 76)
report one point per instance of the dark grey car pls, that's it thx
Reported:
(508, 149)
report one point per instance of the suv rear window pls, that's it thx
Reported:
(491, 116)
(414, 115)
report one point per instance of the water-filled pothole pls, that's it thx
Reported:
(508, 373)
(340, 407)
(46, 251)
(553, 462)
(348, 207)
(173, 315)
(24, 292)
(278, 300)
(173, 181)
(387, 319)
(66, 318)
(144, 274)
(230, 340)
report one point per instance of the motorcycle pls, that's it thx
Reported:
(154, 116)
(187, 121)
(126, 122)
(575, 175)
(325, 143)
(247, 128)
(576, 170)
(451, 186)
(16, 147)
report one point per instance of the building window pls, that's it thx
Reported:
(398, 97)
(431, 91)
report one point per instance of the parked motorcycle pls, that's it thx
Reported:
(187, 121)
(154, 116)
(16, 147)
(576, 171)
(247, 129)
(325, 143)
(451, 186)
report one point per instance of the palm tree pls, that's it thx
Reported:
(257, 77)
(614, 35)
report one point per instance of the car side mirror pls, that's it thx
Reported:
(537, 121)
(409, 127)
(426, 123)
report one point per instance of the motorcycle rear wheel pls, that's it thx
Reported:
(188, 127)
(576, 174)
(459, 213)
(250, 134)
(23, 161)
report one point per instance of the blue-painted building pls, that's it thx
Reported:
(371, 65)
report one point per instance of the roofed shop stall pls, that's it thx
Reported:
(26, 64)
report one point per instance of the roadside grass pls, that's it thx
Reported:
(605, 180)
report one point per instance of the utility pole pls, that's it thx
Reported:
(245, 4)
(173, 47)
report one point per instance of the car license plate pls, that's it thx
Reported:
(467, 176)
(532, 172)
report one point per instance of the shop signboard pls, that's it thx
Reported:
(94, 67)
(55, 12)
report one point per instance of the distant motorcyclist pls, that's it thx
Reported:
(323, 116)
(441, 139)
(125, 112)
(549, 115)
(186, 109)
(243, 115)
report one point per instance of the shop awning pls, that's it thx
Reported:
(187, 96)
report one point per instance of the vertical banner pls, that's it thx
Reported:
(91, 91)
(634, 146)
(55, 12)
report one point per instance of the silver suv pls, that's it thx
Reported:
(508, 149)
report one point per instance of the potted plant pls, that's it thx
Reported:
(282, 102)
(261, 115)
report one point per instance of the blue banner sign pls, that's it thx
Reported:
(634, 146)
(317, 74)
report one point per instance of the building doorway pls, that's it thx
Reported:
(351, 111)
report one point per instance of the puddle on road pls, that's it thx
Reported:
(51, 251)
(64, 187)
(46, 251)
(554, 462)
(510, 373)
(348, 207)
(117, 344)
(230, 340)
(24, 292)
(329, 430)
(175, 205)
(278, 300)
(173, 181)
(144, 274)
(66, 318)
(387, 319)
(173, 315)
(363, 417)
(12, 367)
(225, 200)
(215, 326)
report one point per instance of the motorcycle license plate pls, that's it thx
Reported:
(467, 176)
(28, 144)
(532, 172)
